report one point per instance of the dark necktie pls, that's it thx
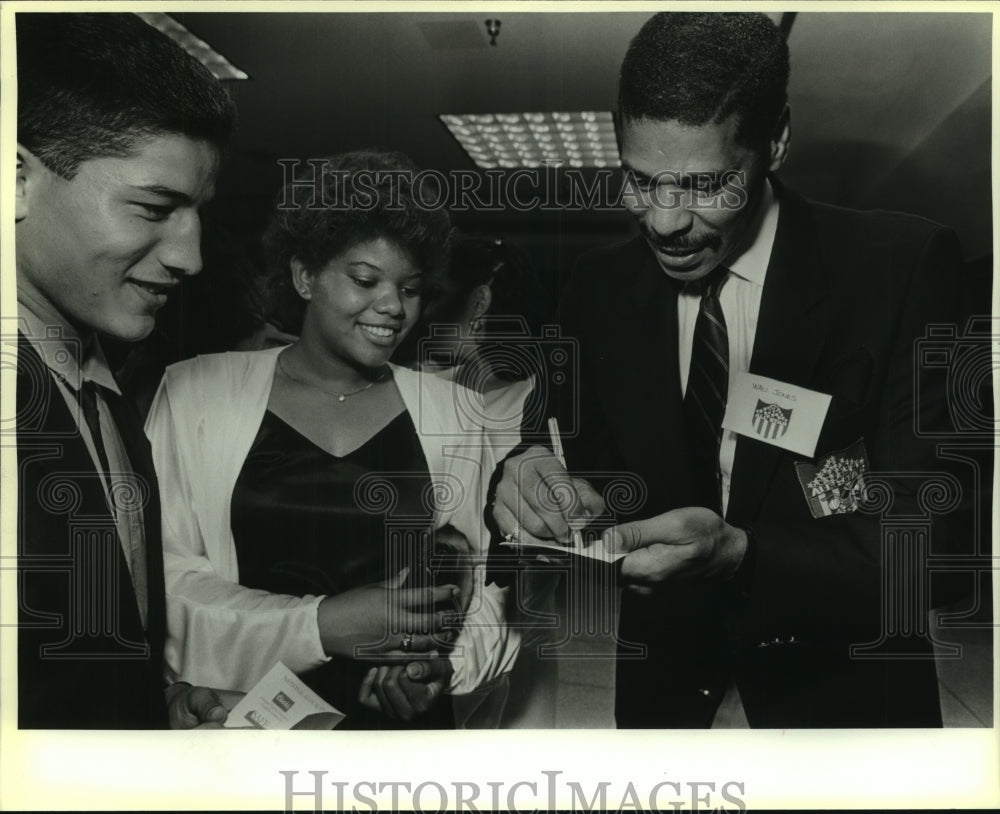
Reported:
(87, 394)
(707, 388)
(134, 541)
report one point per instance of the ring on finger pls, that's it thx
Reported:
(511, 537)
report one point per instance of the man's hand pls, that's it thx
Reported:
(538, 498)
(685, 544)
(199, 707)
(407, 691)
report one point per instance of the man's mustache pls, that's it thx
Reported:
(682, 245)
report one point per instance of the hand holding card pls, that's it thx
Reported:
(592, 549)
(280, 700)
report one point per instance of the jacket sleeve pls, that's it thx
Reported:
(220, 634)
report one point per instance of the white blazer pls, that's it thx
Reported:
(202, 424)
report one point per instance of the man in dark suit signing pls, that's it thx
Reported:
(119, 134)
(750, 358)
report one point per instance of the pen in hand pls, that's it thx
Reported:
(557, 450)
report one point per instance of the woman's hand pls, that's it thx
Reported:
(406, 691)
(372, 620)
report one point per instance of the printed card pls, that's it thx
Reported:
(281, 701)
(785, 415)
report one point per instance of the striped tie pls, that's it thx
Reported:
(707, 388)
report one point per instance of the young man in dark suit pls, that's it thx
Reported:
(119, 135)
(760, 569)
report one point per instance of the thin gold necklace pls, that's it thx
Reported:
(340, 396)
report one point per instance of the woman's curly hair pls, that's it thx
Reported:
(359, 196)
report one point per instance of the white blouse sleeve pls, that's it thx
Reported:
(220, 634)
(488, 645)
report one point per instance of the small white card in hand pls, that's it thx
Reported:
(591, 550)
(281, 701)
(785, 415)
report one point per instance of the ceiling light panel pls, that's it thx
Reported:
(513, 140)
(221, 67)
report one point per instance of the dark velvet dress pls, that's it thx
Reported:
(308, 522)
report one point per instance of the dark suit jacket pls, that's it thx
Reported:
(847, 295)
(84, 661)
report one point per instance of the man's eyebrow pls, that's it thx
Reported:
(703, 179)
(179, 198)
(686, 180)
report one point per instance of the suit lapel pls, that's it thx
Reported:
(47, 419)
(141, 459)
(791, 332)
(648, 412)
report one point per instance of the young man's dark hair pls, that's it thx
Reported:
(701, 68)
(91, 85)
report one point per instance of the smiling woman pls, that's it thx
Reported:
(327, 505)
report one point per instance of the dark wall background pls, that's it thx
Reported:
(889, 110)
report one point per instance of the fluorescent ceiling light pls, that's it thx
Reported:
(221, 67)
(511, 140)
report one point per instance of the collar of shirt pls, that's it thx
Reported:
(73, 358)
(751, 265)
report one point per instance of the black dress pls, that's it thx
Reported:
(308, 522)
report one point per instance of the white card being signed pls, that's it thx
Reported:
(785, 415)
(281, 701)
(593, 549)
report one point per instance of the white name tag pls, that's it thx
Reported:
(785, 415)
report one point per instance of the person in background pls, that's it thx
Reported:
(489, 293)
(119, 138)
(306, 487)
(481, 331)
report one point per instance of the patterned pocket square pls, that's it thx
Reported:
(832, 484)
